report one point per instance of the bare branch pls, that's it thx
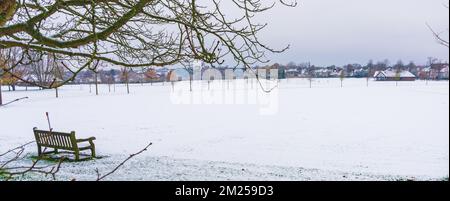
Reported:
(18, 154)
(101, 177)
(438, 37)
(134, 33)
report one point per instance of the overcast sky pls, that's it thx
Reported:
(327, 32)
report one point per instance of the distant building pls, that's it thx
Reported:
(428, 73)
(292, 73)
(273, 68)
(390, 75)
(434, 72)
(360, 72)
(323, 72)
(443, 73)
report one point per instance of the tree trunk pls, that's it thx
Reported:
(128, 83)
(8, 9)
(1, 99)
(96, 84)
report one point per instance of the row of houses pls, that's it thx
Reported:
(121, 76)
(434, 72)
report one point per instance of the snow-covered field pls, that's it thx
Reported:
(380, 132)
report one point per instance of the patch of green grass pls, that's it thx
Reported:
(3, 174)
(57, 158)
(404, 179)
(50, 158)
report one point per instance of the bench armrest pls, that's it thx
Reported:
(85, 140)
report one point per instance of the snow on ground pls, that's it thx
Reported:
(380, 132)
(170, 169)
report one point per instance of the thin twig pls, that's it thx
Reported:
(99, 178)
(19, 147)
(13, 101)
(438, 37)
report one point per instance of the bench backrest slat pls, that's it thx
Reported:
(55, 139)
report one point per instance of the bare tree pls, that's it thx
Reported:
(95, 81)
(342, 77)
(9, 170)
(11, 77)
(2, 63)
(310, 74)
(431, 61)
(411, 66)
(151, 75)
(398, 73)
(136, 33)
(438, 35)
(125, 78)
(108, 77)
(291, 65)
(8, 57)
(189, 68)
(399, 65)
(369, 71)
(43, 69)
(1, 97)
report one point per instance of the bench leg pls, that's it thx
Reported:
(77, 155)
(93, 151)
(56, 151)
(92, 148)
(39, 150)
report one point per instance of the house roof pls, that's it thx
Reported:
(393, 74)
(292, 71)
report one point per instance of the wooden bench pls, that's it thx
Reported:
(63, 141)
